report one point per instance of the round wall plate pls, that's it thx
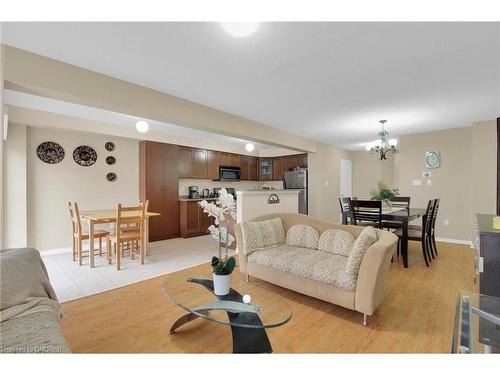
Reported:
(109, 146)
(111, 177)
(50, 152)
(85, 156)
(432, 159)
(110, 160)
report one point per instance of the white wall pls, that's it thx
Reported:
(50, 187)
(16, 221)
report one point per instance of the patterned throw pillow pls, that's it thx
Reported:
(262, 234)
(336, 241)
(365, 239)
(302, 235)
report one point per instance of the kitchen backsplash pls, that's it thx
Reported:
(209, 184)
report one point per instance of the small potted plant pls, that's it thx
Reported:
(223, 265)
(384, 194)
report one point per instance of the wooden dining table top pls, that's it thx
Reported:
(110, 215)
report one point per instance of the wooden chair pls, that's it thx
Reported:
(127, 234)
(421, 234)
(367, 212)
(397, 202)
(432, 228)
(133, 227)
(79, 236)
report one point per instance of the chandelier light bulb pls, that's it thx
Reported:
(142, 126)
(393, 142)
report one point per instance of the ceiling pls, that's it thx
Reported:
(331, 82)
(19, 99)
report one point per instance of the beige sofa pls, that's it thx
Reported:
(363, 294)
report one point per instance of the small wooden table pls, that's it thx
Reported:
(109, 216)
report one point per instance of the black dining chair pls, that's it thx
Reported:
(433, 227)
(397, 202)
(367, 212)
(345, 206)
(421, 234)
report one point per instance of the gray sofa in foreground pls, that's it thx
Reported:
(29, 310)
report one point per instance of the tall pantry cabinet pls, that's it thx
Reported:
(159, 183)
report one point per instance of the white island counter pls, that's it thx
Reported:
(253, 203)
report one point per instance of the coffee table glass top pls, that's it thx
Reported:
(266, 308)
(477, 324)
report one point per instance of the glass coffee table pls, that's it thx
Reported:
(248, 321)
(477, 324)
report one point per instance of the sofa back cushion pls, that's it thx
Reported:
(365, 239)
(262, 234)
(302, 235)
(336, 241)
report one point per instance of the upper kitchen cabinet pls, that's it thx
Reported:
(193, 163)
(248, 165)
(266, 169)
(158, 183)
(213, 160)
(225, 159)
(200, 163)
(277, 169)
(294, 161)
(235, 161)
(185, 162)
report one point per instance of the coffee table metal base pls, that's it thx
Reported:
(245, 340)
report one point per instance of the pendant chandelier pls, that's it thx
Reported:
(382, 145)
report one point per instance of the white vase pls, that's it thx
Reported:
(222, 284)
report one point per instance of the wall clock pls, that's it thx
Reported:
(432, 159)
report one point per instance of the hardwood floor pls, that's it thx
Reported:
(416, 315)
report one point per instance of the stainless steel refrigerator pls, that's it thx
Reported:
(297, 180)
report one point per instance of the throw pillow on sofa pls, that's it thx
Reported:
(261, 234)
(366, 238)
(336, 241)
(302, 235)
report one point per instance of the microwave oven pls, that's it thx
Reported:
(229, 173)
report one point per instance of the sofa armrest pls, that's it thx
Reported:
(242, 251)
(372, 275)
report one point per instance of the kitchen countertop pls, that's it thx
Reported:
(267, 192)
(185, 198)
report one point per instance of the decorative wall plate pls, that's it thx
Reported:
(432, 159)
(84, 156)
(50, 152)
(111, 177)
(110, 160)
(109, 146)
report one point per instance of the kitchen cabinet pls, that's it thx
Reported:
(213, 158)
(185, 162)
(235, 161)
(193, 221)
(225, 159)
(159, 183)
(248, 166)
(266, 169)
(294, 161)
(277, 169)
(200, 163)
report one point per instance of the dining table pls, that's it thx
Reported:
(402, 215)
(107, 216)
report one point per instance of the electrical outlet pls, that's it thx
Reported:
(446, 222)
(429, 182)
(417, 182)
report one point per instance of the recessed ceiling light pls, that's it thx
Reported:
(249, 147)
(240, 29)
(142, 126)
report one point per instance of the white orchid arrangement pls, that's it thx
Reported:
(224, 207)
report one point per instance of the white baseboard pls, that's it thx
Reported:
(452, 240)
